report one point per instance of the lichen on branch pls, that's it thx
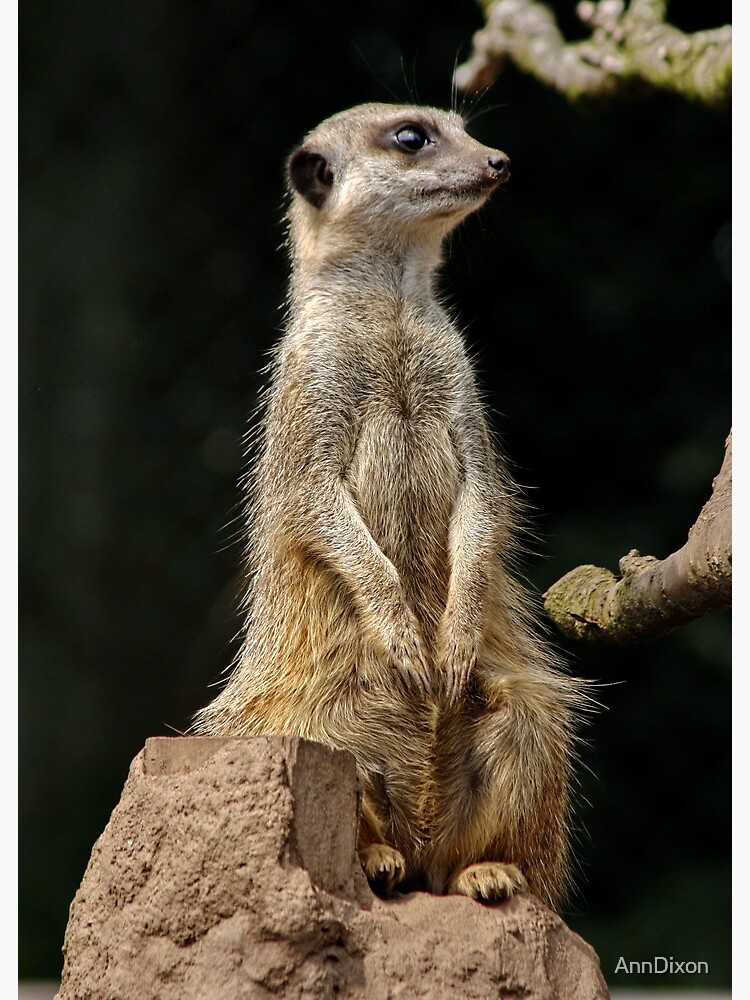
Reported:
(630, 48)
(653, 597)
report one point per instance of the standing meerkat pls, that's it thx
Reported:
(381, 614)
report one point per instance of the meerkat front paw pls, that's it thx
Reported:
(384, 867)
(405, 649)
(488, 881)
(457, 659)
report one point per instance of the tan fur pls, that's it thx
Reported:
(381, 613)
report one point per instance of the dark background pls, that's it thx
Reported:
(594, 292)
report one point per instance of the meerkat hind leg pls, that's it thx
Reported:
(488, 880)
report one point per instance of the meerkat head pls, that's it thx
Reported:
(400, 170)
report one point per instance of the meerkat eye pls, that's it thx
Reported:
(412, 138)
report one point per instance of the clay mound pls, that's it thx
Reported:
(228, 870)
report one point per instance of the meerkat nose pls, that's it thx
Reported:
(499, 164)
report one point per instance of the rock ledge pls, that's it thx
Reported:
(228, 870)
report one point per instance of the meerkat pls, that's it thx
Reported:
(382, 615)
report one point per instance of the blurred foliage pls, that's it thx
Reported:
(595, 297)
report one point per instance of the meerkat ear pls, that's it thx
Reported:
(310, 174)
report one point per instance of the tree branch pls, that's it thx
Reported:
(629, 48)
(653, 596)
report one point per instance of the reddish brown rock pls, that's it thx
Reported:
(228, 870)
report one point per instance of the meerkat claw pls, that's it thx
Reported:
(460, 663)
(412, 665)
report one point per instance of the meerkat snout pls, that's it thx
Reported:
(499, 165)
